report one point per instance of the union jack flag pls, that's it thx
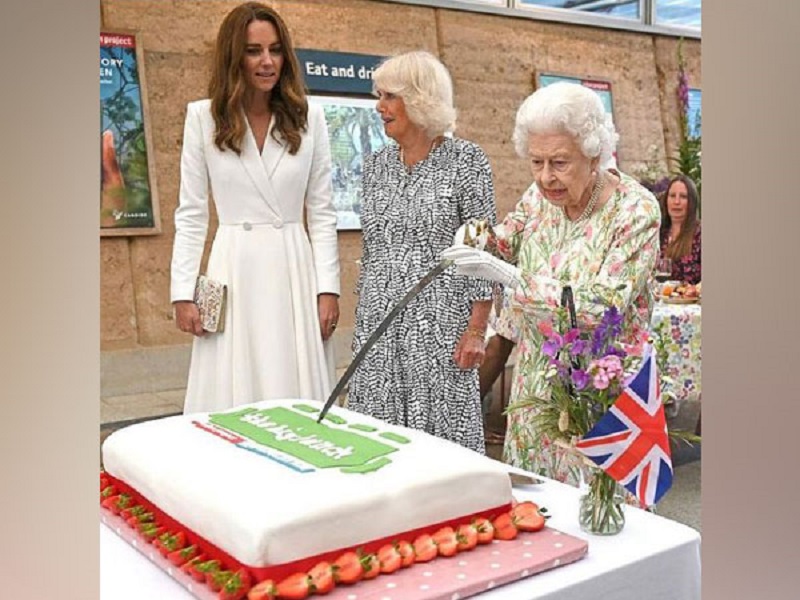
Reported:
(630, 441)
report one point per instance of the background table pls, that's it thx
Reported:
(682, 325)
(652, 559)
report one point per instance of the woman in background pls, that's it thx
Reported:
(265, 153)
(680, 229)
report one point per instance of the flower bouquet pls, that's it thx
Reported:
(596, 374)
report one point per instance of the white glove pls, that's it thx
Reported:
(477, 263)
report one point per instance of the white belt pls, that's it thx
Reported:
(277, 223)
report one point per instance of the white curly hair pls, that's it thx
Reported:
(425, 86)
(565, 107)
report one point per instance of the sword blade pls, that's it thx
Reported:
(358, 358)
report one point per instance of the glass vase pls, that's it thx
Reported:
(601, 505)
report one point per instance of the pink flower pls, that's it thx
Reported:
(600, 380)
(612, 365)
(555, 260)
(545, 328)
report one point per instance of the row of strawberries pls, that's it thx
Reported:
(348, 569)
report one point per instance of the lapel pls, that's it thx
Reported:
(274, 150)
(254, 165)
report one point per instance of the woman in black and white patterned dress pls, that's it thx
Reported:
(422, 373)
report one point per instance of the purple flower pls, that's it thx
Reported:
(609, 328)
(580, 378)
(613, 319)
(614, 351)
(579, 347)
(550, 348)
(571, 336)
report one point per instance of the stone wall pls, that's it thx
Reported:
(493, 59)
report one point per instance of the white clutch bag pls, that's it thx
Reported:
(211, 297)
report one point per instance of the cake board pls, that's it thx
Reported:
(444, 578)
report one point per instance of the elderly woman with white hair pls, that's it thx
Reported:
(422, 373)
(583, 224)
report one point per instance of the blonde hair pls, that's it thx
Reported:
(425, 86)
(569, 108)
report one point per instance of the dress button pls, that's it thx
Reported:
(277, 223)
(246, 226)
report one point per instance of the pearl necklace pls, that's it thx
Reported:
(599, 184)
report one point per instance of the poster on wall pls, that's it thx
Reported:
(355, 130)
(693, 113)
(128, 199)
(599, 86)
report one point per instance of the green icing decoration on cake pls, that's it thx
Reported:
(395, 438)
(368, 467)
(360, 427)
(335, 419)
(305, 408)
(300, 436)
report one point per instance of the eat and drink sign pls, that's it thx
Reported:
(338, 72)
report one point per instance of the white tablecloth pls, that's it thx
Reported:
(652, 559)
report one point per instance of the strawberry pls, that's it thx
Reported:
(150, 531)
(390, 558)
(294, 587)
(136, 520)
(347, 568)
(467, 537)
(132, 511)
(237, 586)
(372, 566)
(262, 591)
(406, 551)
(179, 557)
(321, 576)
(446, 543)
(198, 570)
(216, 579)
(104, 482)
(170, 542)
(527, 517)
(190, 565)
(107, 491)
(116, 503)
(504, 528)
(424, 548)
(110, 503)
(485, 530)
(125, 501)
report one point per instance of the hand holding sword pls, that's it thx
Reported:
(469, 261)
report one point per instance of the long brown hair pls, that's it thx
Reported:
(227, 85)
(682, 245)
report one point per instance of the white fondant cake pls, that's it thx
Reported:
(268, 485)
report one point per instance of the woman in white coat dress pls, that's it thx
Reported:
(263, 153)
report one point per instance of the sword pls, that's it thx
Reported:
(358, 358)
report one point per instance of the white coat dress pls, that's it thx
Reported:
(271, 345)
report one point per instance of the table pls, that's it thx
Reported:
(682, 325)
(652, 559)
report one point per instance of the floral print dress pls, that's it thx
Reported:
(687, 268)
(613, 253)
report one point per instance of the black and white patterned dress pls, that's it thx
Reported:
(409, 377)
